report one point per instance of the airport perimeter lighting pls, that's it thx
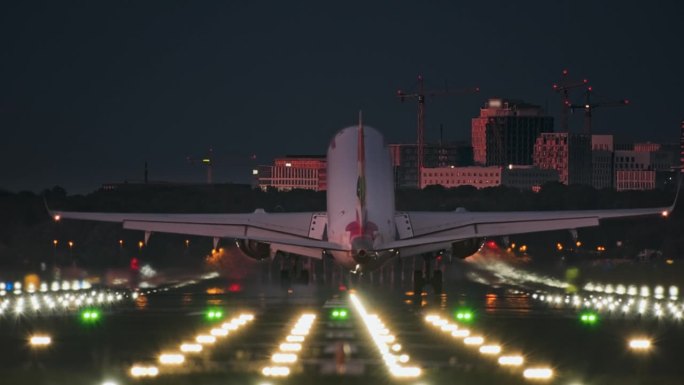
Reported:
(40, 340)
(538, 373)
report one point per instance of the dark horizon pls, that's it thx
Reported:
(91, 91)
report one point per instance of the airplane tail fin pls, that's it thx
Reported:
(361, 180)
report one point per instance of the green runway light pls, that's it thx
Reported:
(90, 315)
(589, 318)
(464, 315)
(214, 314)
(339, 314)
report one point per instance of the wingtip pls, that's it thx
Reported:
(55, 215)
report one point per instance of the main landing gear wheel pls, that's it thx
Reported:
(437, 281)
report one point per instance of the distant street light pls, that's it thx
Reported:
(120, 242)
(141, 244)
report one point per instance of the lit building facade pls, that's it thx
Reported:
(602, 160)
(528, 177)
(568, 153)
(307, 172)
(635, 180)
(506, 131)
(405, 160)
(479, 177)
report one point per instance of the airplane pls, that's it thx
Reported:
(361, 228)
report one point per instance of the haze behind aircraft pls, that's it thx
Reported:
(361, 228)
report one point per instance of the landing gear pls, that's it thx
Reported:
(424, 277)
(292, 271)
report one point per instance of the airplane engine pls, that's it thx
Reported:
(464, 249)
(254, 249)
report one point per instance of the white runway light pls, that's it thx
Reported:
(288, 350)
(385, 341)
(40, 340)
(144, 371)
(511, 360)
(538, 373)
(473, 340)
(171, 359)
(191, 348)
(640, 344)
(490, 349)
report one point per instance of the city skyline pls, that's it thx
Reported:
(159, 83)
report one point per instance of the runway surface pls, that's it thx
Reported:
(380, 333)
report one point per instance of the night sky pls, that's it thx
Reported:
(91, 90)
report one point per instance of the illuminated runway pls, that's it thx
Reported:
(217, 332)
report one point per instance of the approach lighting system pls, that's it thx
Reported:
(339, 314)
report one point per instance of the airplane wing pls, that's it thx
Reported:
(421, 231)
(291, 232)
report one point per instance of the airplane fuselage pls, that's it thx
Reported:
(360, 197)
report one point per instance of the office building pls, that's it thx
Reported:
(506, 131)
(568, 153)
(291, 172)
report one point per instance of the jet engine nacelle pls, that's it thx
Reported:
(254, 249)
(464, 249)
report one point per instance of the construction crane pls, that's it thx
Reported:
(563, 88)
(420, 95)
(207, 161)
(589, 106)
